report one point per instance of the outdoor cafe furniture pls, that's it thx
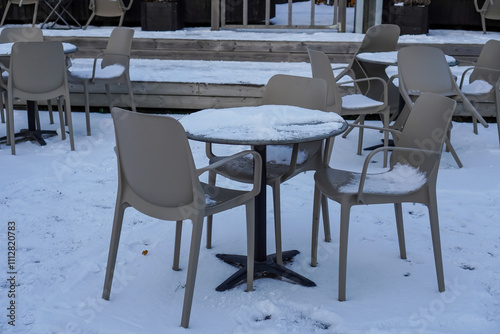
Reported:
(291, 90)
(411, 178)
(352, 104)
(489, 10)
(109, 67)
(21, 3)
(37, 71)
(59, 8)
(483, 84)
(170, 189)
(425, 69)
(108, 8)
(261, 126)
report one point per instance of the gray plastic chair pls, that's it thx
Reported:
(37, 71)
(354, 104)
(115, 58)
(489, 10)
(280, 90)
(170, 189)
(413, 173)
(425, 69)
(18, 3)
(108, 8)
(379, 38)
(484, 80)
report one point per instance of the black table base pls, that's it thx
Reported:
(262, 269)
(35, 135)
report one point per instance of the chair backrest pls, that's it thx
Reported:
(155, 162)
(37, 70)
(322, 69)
(489, 58)
(296, 91)
(108, 8)
(380, 38)
(493, 10)
(424, 69)
(118, 47)
(425, 129)
(21, 34)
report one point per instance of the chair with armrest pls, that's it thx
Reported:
(484, 79)
(37, 72)
(489, 10)
(425, 69)
(21, 3)
(411, 177)
(281, 90)
(109, 67)
(353, 104)
(170, 189)
(108, 8)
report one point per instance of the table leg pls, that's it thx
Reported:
(265, 266)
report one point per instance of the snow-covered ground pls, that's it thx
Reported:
(62, 205)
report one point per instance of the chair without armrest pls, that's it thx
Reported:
(108, 8)
(170, 190)
(281, 90)
(484, 80)
(18, 2)
(115, 58)
(425, 69)
(355, 104)
(37, 71)
(427, 123)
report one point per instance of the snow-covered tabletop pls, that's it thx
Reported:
(391, 58)
(262, 125)
(5, 48)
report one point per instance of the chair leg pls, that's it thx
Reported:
(88, 22)
(110, 98)
(177, 245)
(87, 106)
(326, 218)
(436, 241)
(61, 119)
(192, 267)
(113, 249)
(35, 13)
(483, 22)
(315, 226)
(211, 181)
(51, 116)
(452, 151)
(344, 135)
(121, 19)
(400, 228)
(277, 222)
(361, 132)
(130, 94)
(2, 111)
(10, 124)
(67, 108)
(250, 215)
(5, 13)
(345, 210)
(386, 116)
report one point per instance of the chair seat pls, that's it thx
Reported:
(402, 179)
(477, 87)
(108, 72)
(359, 101)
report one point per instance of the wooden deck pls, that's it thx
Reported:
(195, 96)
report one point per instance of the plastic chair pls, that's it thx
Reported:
(424, 69)
(108, 8)
(21, 3)
(489, 10)
(38, 72)
(484, 80)
(354, 104)
(280, 90)
(110, 67)
(411, 178)
(170, 189)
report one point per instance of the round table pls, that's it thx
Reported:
(260, 126)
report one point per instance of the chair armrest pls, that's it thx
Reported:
(208, 151)
(257, 170)
(125, 8)
(369, 157)
(477, 68)
(382, 81)
(485, 6)
(100, 55)
(293, 162)
(395, 132)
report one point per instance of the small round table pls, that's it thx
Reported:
(261, 126)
